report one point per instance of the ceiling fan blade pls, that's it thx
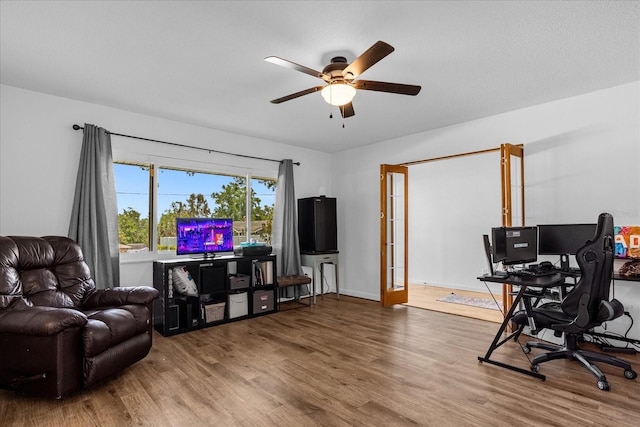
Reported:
(399, 88)
(362, 63)
(347, 110)
(297, 67)
(297, 94)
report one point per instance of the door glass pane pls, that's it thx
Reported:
(516, 191)
(395, 231)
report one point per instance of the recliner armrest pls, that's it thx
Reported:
(40, 321)
(120, 296)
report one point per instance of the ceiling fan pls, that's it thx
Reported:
(341, 78)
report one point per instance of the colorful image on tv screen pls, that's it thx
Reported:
(627, 240)
(204, 235)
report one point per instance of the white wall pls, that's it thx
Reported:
(39, 153)
(582, 157)
(452, 203)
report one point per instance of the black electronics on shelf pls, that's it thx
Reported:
(317, 224)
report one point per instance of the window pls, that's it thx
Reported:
(132, 191)
(263, 201)
(185, 193)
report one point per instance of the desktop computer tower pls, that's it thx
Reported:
(317, 225)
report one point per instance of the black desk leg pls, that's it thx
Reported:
(497, 342)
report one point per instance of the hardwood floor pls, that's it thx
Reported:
(346, 362)
(426, 296)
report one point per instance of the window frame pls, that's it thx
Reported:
(155, 164)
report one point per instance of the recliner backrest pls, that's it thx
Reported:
(44, 271)
(595, 260)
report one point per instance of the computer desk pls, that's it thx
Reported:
(618, 276)
(523, 282)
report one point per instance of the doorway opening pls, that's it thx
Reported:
(454, 204)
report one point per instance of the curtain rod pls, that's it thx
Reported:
(77, 127)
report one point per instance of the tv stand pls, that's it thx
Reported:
(230, 288)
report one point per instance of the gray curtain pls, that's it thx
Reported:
(94, 218)
(285, 230)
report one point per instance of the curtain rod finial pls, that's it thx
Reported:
(76, 127)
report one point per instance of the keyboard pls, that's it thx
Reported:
(532, 272)
(544, 272)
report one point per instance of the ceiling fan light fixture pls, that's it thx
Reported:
(338, 93)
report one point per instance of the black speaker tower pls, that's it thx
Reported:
(317, 229)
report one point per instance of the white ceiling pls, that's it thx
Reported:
(202, 62)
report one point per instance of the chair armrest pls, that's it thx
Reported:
(609, 310)
(120, 296)
(41, 321)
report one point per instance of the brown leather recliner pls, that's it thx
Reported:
(58, 333)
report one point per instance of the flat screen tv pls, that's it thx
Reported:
(627, 241)
(206, 236)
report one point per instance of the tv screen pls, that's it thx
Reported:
(203, 235)
(515, 245)
(627, 240)
(563, 239)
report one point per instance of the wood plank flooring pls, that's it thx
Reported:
(346, 362)
(426, 296)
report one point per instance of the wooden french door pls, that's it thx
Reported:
(512, 188)
(394, 203)
(394, 247)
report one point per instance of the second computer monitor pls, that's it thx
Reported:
(515, 245)
(563, 239)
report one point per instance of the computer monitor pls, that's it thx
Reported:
(515, 245)
(560, 239)
(563, 239)
(487, 252)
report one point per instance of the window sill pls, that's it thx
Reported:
(145, 257)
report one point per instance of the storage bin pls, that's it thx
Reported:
(213, 312)
(262, 301)
(238, 305)
(239, 281)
